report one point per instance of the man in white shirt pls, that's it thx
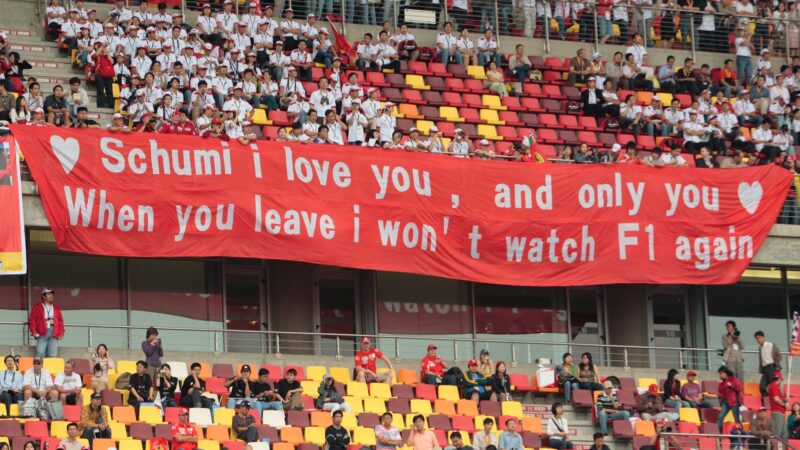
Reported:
(693, 132)
(762, 136)
(387, 54)
(744, 56)
(301, 60)
(356, 124)
(639, 52)
(335, 127)
(745, 110)
(69, 384)
(385, 123)
(290, 29)
(673, 158)
(727, 120)
(226, 19)
(446, 46)
(673, 116)
(237, 104)
(367, 53)
(252, 19)
(487, 49)
(221, 85)
(38, 383)
(630, 115)
(323, 98)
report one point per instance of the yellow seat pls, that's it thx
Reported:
(260, 117)
(292, 435)
(207, 444)
(488, 132)
(410, 420)
(446, 407)
(219, 433)
(53, 365)
(450, 114)
(479, 422)
(421, 406)
(132, 444)
(374, 405)
(644, 383)
(408, 111)
(58, 429)
(118, 431)
(349, 421)
(380, 390)
(493, 102)
(417, 82)
(447, 392)
(689, 415)
(310, 388)
(398, 421)
(513, 409)
(356, 404)
(490, 116)
(152, 415)
(476, 72)
(315, 373)
(386, 370)
(126, 366)
(666, 98)
(86, 395)
(364, 436)
(224, 416)
(424, 126)
(315, 435)
(115, 90)
(357, 389)
(342, 374)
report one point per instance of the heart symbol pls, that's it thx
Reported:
(67, 151)
(750, 195)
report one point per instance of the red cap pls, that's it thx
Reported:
(691, 373)
(182, 411)
(653, 389)
(432, 347)
(365, 340)
(777, 375)
(472, 362)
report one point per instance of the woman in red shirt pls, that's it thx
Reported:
(730, 395)
(104, 77)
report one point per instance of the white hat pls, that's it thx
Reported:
(596, 55)
(208, 46)
(412, 129)
(484, 142)
(38, 111)
(433, 128)
(616, 148)
(117, 116)
(323, 31)
(141, 92)
(459, 130)
(765, 50)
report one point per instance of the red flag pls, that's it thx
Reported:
(340, 41)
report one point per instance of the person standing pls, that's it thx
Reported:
(732, 346)
(46, 324)
(777, 408)
(730, 395)
(769, 361)
(153, 352)
(387, 436)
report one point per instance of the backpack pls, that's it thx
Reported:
(574, 107)
(454, 377)
(123, 381)
(611, 124)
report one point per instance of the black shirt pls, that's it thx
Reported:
(336, 438)
(283, 387)
(52, 102)
(238, 387)
(259, 387)
(167, 392)
(188, 383)
(142, 384)
(83, 123)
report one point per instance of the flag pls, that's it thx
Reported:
(340, 41)
(157, 403)
(794, 344)
(258, 8)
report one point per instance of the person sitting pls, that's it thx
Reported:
(558, 428)
(485, 437)
(141, 386)
(243, 424)
(510, 439)
(289, 391)
(265, 397)
(567, 376)
(592, 99)
(432, 367)
(588, 375)
(71, 442)
(184, 434)
(672, 391)
(650, 406)
(794, 421)
(387, 436)
(761, 429)
(692, 393)
(94, 420)
(336, 436)
(10, 383)
(609, 407)
(366, 363)
(457, 443)
(500, 382)
(166, 385)
(192, 389)
(240, 386)
(329, 398)
(475, 384)
(69, 384)
(599, 442)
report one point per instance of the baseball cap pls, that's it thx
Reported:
(657, 99)
(263, 371)
(47, 290)
(607, 384)
(596, 55)
(141, 92)
(97, 395)
(323, 31)
(311, 15)
(117, 116)
(208, 46)
(765, 51)
(432, 347)
(484, 142)
(472, 362)
(653, 389)
(182, 411)
(591, 79)
(38, 111)
(278, 42)
(412, 129)
(365, 340)
(483, 350)
(433, 128)
(616, 148)
(458, 130)
(244, 404)
(691, 373)
(245, 368)
(777, 375)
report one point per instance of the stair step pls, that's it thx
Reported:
(50, 64)
(16, 32)
(30, 48)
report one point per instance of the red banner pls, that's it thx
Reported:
(12, 236)
(151, 195)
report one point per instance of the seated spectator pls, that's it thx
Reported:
(510, 439)
(446, 46)
(672, 391)
(609, 407)
(240, 386)
(611, 102)
(597, 68)
(289, 391)
(650, 406)
(558, 428)
(475, 384)
(666, 75)
(166, 385)
(69, 384)
(71, 442)
(366, 363)
(38, 383)
(336, 436)
(500, 382)
(520, 67)
(192, 389)
(457, 443)
(692, 393)
(762, 138)
(685, 81)
(184, 434)
(10, 383)
(141, 386)
(654, 118)
(485, 437)
(794, 421)
(329, 397)
(487, 48)
(579, 67)
(94, 420)
(495, 79)
(432, 367)
(599, 442)
(265, 397)
(654, 158)
(485, 363)
(243, 424)
(567, 372)
(55, 106)
(588, 375)
(592, 99)
(761, 430)
(77, 97)
(387, 436)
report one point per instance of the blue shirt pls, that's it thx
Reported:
(510, 441)
(10, 380)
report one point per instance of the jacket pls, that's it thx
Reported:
(474, 382)
(500, 385)
(730, 354)
(647, 403)
(599, 100)
(89, 418)
(730, 391)
(37, 324)
(327, 392)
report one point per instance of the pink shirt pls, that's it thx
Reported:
(425, 440)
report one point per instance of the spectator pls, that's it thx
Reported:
(485, 364)
(588, 375)
(666, 74)
(38, 383)
(192, 389)
(20, 114)
(153, 351)
(733, 346)
(82, 119)
(777, 408)
(329, 397)
(94, 420)
(71, 442)
(520, 67)
(485, 437)
(69, 384)
(500, 382)
(650, 406)
(166, 385)
(289, 391)
(567, 372)
(10, 384)
(672, 391)
(761, 430)
(487, 48)
(558, 428)
(243, 424)
(184, 434)
(730, 395)
(446, 46)
(141, 386)
(387, 436)
(744, 55)
(578, 66)
(510, 439)
(692, 393)
(769, 360)
(336, 436)
(432, 367)
(457, 442)
(495, 79)
(266, 398)
(6, 103)
(366, 363)
(46, 324)
(653, 116)
(475, 384)
(599, 442)
(421, 438)
(609, 407)
(706, 160)
(794, 421)
(240, 386)
(77, 97)
(592, 99)
(611, 102)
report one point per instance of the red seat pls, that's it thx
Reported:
(464, 423)
(141, 431)
(396, 80)
(531, 104)
(436, 83)
(507, 132)
(469, 129)
(10, 428)
(216, 385)
(36, 429)
(688, 428)
(111, 398)
(404, 125)
(433, 98)
(426, 391)
(510, 118)
(429, 112)
(371, 420)
(607, 139)
(548, 120)
(317, 73)
(712, 387)
(418, 68)
(399, 405)
(455, 84)
(266, 431)
(623, 139)
(553, 106)
(505, 148)
(710, 428)
(548, 136)
(571, 92)
(298, 419)
(274, 372)
(453, 99)
(470, 115)
(413, 96)
(590, 123)
(222, 370)
(235, 445)
(537, 62)
(437, 421)
(570, 121)
(489, 408)
(686, 100)
(447, 128)
(476, 86)
(529, 119)
(553, 77)
(556, 63)
(457, 70)
(582, 399)
(568, 136)
(441, 438)
(553, 92)
(473, 101)
(627, 398)
(645, 142)
(438, 68)
(402, 391)
(279, 118)
(392, 95)
(511, 102)
(548, 151)
(171, 415)
(532, 89)
(589, 137)
(162, 430)
(622, 429)
(376, 79)
(641, 441)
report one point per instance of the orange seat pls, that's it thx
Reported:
(205, 370)
(409, 111)
(103, 444)
(645, 428)
(532, 424)
(292, 435)
(408, 376)
(535, 385)
(124, 414)
(752, 389)
(467, 408)
(282, 446)
(219, 433)
(321, 419)
(644, 97)
(445, 407)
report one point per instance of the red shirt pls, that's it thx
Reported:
(183, 430)
(367, 359)
(773, 391)
(432, 365)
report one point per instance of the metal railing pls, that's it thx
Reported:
(677, 441)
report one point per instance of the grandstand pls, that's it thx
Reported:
(281, 315)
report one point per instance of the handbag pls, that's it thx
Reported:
(55, 410)
(27, 408)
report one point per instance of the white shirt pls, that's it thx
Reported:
(70, 29)
(355, 129)
(137, 110)
(322, 101)
(629, 112)
(553, 426)
(743, 107)
(766, 349)
(289, 24)
(292, 85)
(59, 11)
(465, 44)
(233, 129)
(221, 85)
(240, 105)
(691, 126)
(227, 21)
(310, 31)
(761, 134)
(386, 125)
(335, 133)
(727, 121)
(366, 51)
(298, 57)
(742, 49)
(68, 382)
(206, 24)
(667, 159)
(638, 52)
(41, 382)
(444, 41)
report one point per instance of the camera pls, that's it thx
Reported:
(737, 333)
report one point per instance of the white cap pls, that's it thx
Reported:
(323, 30)
(433, 128)
(141, 92)
(208, 46)
(616, 148)
(484, 142)
(412, 129)
(765, 50)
